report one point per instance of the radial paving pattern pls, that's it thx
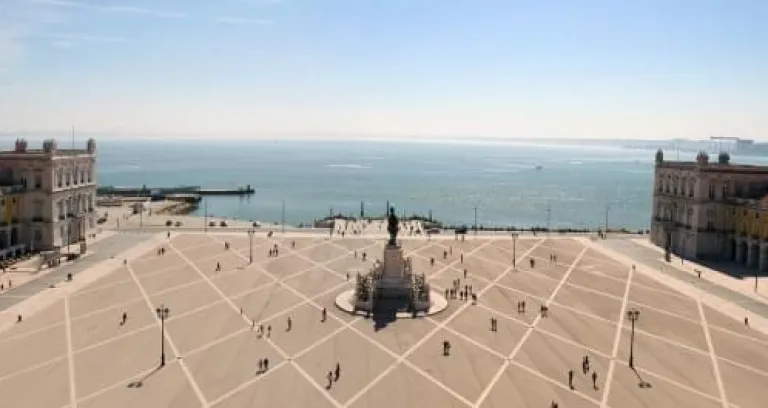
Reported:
(78, 353)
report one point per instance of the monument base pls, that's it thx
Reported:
(346, 301)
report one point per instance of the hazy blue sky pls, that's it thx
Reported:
(504, 68)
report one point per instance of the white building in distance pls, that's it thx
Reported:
(47, 196)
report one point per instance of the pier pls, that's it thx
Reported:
(145, 191)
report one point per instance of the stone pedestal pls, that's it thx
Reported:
(391, 287)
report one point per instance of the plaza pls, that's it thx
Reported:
(77, 351)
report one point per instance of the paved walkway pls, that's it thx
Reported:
(650, 257)
(98, 252)
(82, 355)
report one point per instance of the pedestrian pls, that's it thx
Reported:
(586, 364)
(554, 405)
(253, 324)
(18, 319)
(330, 380)
(746, 321)
(218, 266)
(570, 379)
(269, 330)
(594, 380)
(355, 254)
(445, 254)
(125, 318)
(290, 324)
(474, 299)
(347, 276)
(465, 273)
(446, 348)
(323, 315)
(337, 372)
(462, 256)
(266, 364)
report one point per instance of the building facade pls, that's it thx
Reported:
(706, 210)
(48, 196)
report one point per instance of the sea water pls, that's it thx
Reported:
(509, 184)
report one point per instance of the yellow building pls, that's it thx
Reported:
(711, 210)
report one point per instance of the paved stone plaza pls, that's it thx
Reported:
(77, 353)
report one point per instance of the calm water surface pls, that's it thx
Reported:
(501, 180)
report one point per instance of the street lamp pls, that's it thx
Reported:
(632, 315)
(162, 314)
(514, 250)
(250, 241)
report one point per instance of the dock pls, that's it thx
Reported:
(146, 191)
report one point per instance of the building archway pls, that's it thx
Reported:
(741, 253)
(731, 256)
(754, 255)
(14, 236)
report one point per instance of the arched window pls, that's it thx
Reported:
(60, 177)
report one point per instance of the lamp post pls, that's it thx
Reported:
(250, 242)
(632, 315)
(514, 250)
(205, 215)
(162, 314)
(475, 208)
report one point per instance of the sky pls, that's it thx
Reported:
(400, 68)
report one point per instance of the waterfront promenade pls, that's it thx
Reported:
(71, 349)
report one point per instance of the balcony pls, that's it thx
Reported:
(62, 217)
